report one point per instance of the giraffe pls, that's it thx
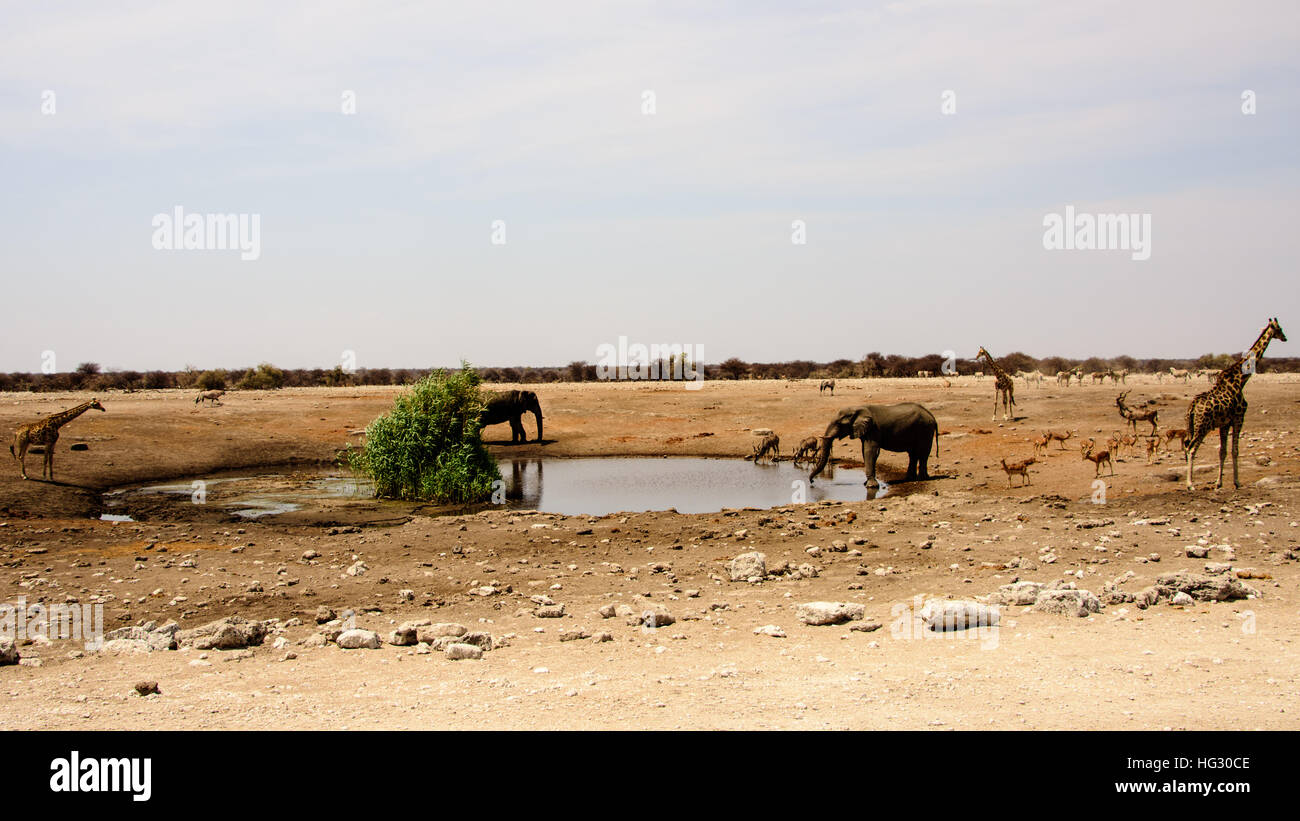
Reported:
(1224, 406)
(1004, 388)
(46, 433)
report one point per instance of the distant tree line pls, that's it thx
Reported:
(90, 376)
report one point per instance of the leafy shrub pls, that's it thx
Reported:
(428, 446)
(263, 378)
(211, 381)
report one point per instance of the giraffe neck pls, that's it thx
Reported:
(1235, 375)
(62, 418)
(988, 357)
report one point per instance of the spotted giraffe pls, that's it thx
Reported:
(1223, 407)
(46, 433)
(1004, 388)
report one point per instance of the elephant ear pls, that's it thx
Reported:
(864, 426)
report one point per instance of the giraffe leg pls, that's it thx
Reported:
(1223, 451)
(1191, 460)
(1236, 434)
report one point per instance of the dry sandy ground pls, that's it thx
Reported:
(1224, 665)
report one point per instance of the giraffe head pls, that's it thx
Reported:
(1276, 328)
(94, 404)
(983, 352)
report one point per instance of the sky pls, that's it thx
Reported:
(520, 183)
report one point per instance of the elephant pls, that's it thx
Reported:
(904, 428)
(510, 406)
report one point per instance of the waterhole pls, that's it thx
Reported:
(593, 486)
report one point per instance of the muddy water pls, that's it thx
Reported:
(594, 486)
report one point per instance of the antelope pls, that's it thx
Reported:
(1061, 437)
(1153, 443)
(1097, 458)
(768, 445)
(1186, 376)
(1135, 416)
(807, 449)
(1021, 467)
(215, 396)
(1175, 433)
(1040, 443)
(827, 385)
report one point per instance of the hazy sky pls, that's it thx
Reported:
(924, 229)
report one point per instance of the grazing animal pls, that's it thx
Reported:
(827, 385)
(46, 433)
(807, 450)
(214, 396)
(1186, 376)
(1098, 376)
(1135, 416)
(1097, 458)
(1160, 376)
(1120, 376)
(1004, 389)
(1113, 444)
(1040, 443)
(925, 374)
(769, 445)
(1061, 437)
(1063, 376)
(1153, 442)
(1223, 407)
(1021, 467)
(1175, 433)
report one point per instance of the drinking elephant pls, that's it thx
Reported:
(905, 428)
(510, 406)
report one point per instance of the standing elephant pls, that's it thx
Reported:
(510, 406)
(905, 428)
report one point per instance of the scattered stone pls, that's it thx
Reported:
(429, 633)
(602, 636)
(147, 688)
(770, 630)
(944, 615)
(608, 611)
(1197, 551)
(1181, 599)
(357, 639)
(549, 611)
(231, 633)
(574, 634)
(824, 612)
(9, 652)
(1220, 587)
(324, 614)
(1022, 593)
(869, 626)
(1067, 602)
(656, 619)
(748, 567)
(459, 650)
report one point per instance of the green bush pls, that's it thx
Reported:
(211, 381)
(428, 446)
(266, 377)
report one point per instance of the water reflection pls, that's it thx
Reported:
(601, 485)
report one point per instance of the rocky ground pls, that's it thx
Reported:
(1154, 608)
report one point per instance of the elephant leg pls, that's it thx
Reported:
(517, 432)
(923, 462)
(911, 469)
(870, 452)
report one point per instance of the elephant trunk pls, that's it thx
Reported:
(537, 412)
(823, 456)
